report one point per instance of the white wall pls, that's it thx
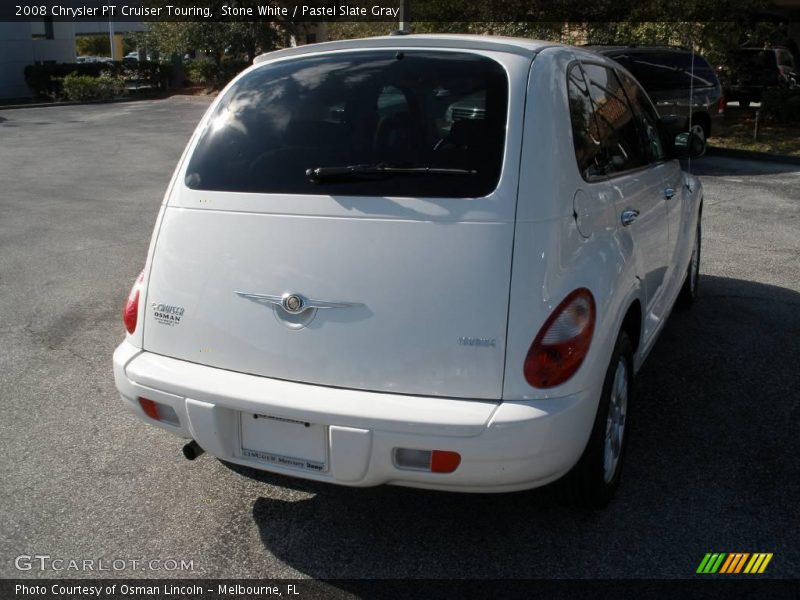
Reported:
(18, 49)
(60, 49)
(16, 52)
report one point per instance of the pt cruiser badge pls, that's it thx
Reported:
(167, 314)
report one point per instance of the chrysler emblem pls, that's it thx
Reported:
(293, 310)
(293, 303)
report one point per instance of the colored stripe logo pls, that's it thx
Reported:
(729, 563)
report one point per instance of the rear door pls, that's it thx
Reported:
(636, 182)
(673, 188)
(279, 260)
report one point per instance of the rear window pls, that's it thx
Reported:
(399, 111)
(663, 71)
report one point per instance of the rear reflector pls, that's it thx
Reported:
(433, 461)
(159, 411)
(443, 461)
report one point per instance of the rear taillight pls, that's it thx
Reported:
(563, 341)
(130, 312)
(723, 104)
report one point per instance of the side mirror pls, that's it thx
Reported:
(672, 125)
(688, 145)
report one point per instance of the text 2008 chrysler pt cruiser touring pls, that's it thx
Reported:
(433, 261)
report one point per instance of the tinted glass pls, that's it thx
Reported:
(416, 108)
(663, 71)
(785, 58)
(646, 118)
(755, 67)
(755, 60)
(585, 135)
(617, 126)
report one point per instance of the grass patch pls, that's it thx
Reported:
(736, 131)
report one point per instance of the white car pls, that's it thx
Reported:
(358, 277)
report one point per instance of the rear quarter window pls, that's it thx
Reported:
(616, 123)
(586, 138)
(436, 109)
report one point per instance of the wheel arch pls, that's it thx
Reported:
(632, 323)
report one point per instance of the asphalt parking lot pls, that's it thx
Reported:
(714, 449)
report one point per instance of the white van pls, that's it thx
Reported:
(432, 261)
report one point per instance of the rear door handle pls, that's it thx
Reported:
(669, 193)
(628, 216)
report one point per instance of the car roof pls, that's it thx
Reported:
(770, 49)
(635, 48)
(520, 46)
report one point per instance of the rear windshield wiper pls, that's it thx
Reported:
(317, 174)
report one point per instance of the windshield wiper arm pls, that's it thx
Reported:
(316, 174)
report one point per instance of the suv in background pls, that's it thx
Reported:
(670, 78)
(754, 70)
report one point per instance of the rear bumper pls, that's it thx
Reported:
(503, 446)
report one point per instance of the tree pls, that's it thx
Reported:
(233, 38)
(93, 45)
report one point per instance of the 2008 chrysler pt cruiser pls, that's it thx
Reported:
(432, 261)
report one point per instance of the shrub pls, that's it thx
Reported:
(793, 109)
(47, 80)
(202, 71)
(781, 105)
(144, 72)
(205, 71)
(85, 87)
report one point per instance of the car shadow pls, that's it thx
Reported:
(713, 165)
(711, 464)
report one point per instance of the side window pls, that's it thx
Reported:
(785, 58)
(588, 150)
(646, 118)
(619, 134)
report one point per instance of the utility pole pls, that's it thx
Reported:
(111, 38)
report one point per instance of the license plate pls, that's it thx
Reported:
(284, 442)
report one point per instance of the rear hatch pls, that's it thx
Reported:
(385, 276)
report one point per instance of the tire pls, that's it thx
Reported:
(593, 481)
(701, 129)
(688, 293)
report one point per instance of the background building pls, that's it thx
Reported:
(23, 44)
